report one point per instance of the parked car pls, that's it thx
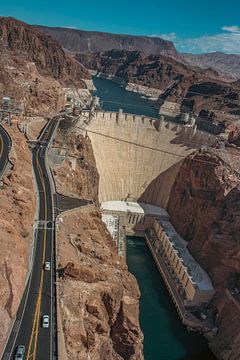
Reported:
(45, 321)
(47, 265)
(20, 351)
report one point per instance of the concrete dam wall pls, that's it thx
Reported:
(138, 157)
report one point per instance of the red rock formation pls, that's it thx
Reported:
(32, 45)
(99, 297)
(17, 210)
(34, 68)
(204, 208)
(77, 176)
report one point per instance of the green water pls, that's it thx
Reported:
(165, 338)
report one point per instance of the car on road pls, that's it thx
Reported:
(45, 321)
(19, 355)
(47, 266)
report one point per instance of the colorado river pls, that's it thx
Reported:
(165, 336)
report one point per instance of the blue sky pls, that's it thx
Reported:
(205, 26)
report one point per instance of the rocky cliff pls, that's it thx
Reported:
(99, 298)
(204, 208)
(32, 45)
(77, 175)
(34, 69)
(17, 210)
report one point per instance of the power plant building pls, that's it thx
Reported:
(192, 282)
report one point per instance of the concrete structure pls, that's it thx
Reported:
(186, 316)
(138, 157)
(117, 231)
(135, 217)
(192, 281)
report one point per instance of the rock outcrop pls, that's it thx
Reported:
(99, 297)
(77, 175)
(204, 208)
(17, 209)
(47, 54)
(34, 69)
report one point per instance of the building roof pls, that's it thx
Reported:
(134, 208)
(195, 271)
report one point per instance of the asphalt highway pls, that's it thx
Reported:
(39, 296)
(5, 145)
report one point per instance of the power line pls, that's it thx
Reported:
(149, 147)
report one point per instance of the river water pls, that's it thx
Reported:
(165, 338)
(114, 97)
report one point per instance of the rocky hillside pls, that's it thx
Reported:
(193, 89)
(99, 297)
(204, 208)
(34, 69)
(228, 65)
(77, 175)
(158, 72)
(92, 41)
(50, 59)
(17, 211)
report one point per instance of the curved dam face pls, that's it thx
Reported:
(138, 157)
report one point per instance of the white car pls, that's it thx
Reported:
(47, 265)
(19, 355)
(45, 321)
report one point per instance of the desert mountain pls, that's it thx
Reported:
(224, 64)
(93, 41)
(34, 67)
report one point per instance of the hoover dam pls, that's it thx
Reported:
(138, 157)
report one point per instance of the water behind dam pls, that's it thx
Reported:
(165, 338)
(114, 97)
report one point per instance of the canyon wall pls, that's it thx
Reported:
(204, 208)
(138, 157)
(17, 210)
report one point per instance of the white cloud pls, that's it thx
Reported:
(70, 27)
(171, 36)
(233, 28)
(228, 42)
